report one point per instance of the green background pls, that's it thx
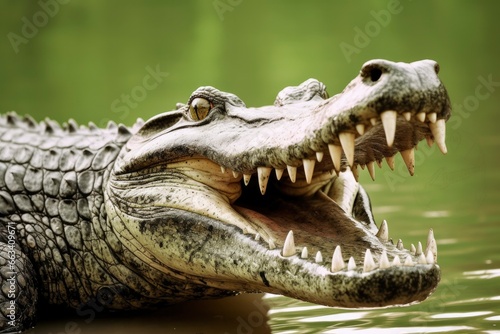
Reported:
(80, 57)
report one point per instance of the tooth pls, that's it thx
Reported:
(263, 175)
(236, 174)
(271, 244)
(246, 178)
(337, 260)
(432, 117)
(421, 259)
(304, 253)
(408, 261)
(420, 116)
(369, 264)
(335, 154)
(347, 142)
(413, 250)
(396, 261)
(309, 169)
(407, 115)
(292, 173)
(371, 169)
(373, 121)
(319, 156)
(390, 162)
(400, 245)
(351, 265)
(360, 128)
(429, 141)
(318, 258)
(383, 232)
(438, 130)
(431, 245)
(379, 163)
(257, 237)
(289, 246)
(389, 123)
(419, 249)
(223, 169)
(409, 159)
(430, 258)
(279, 173)
(384, 261)
(355, 172)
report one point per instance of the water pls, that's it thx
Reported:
(86, 56)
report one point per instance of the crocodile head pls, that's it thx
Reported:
(228, 197)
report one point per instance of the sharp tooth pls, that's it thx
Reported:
(389, 123)
(419, 249)
(373, 121)
(335, 154)
(309, 169)
(351, 265)
(289, 246)
(304, 253)
(318, 258)
(409, 159)
(384, 261)
(421, 259)
(360, 128)
(407, 115)
(383, 232)
(430, 258)
(223, 169)
(369, 264)
(413, 250)
(432, 117)
(431, 245)
(429, 141)
(263, 175)
(279, 173)
(257, 237)
(379, 163)
(319, 156)
(355, 172)
(408, 261)
(271, 244)
(236, 174)
(347, 142)
(400, 245)
(246, 178)
(390, 162)
(420, 116)
(371, 169)
(292, 173)
(337, 260)
(396, 261)
(438, 130)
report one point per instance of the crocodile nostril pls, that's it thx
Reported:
(436, 68)
(372, 72)
(375, 74)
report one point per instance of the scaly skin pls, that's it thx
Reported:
(159, 214)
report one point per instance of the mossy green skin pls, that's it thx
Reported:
(168, 210)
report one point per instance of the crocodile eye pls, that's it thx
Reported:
(199, 108)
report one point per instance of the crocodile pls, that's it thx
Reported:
(214, 198)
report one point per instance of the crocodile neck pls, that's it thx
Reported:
(51, 188)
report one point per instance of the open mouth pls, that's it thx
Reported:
(284, 179)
